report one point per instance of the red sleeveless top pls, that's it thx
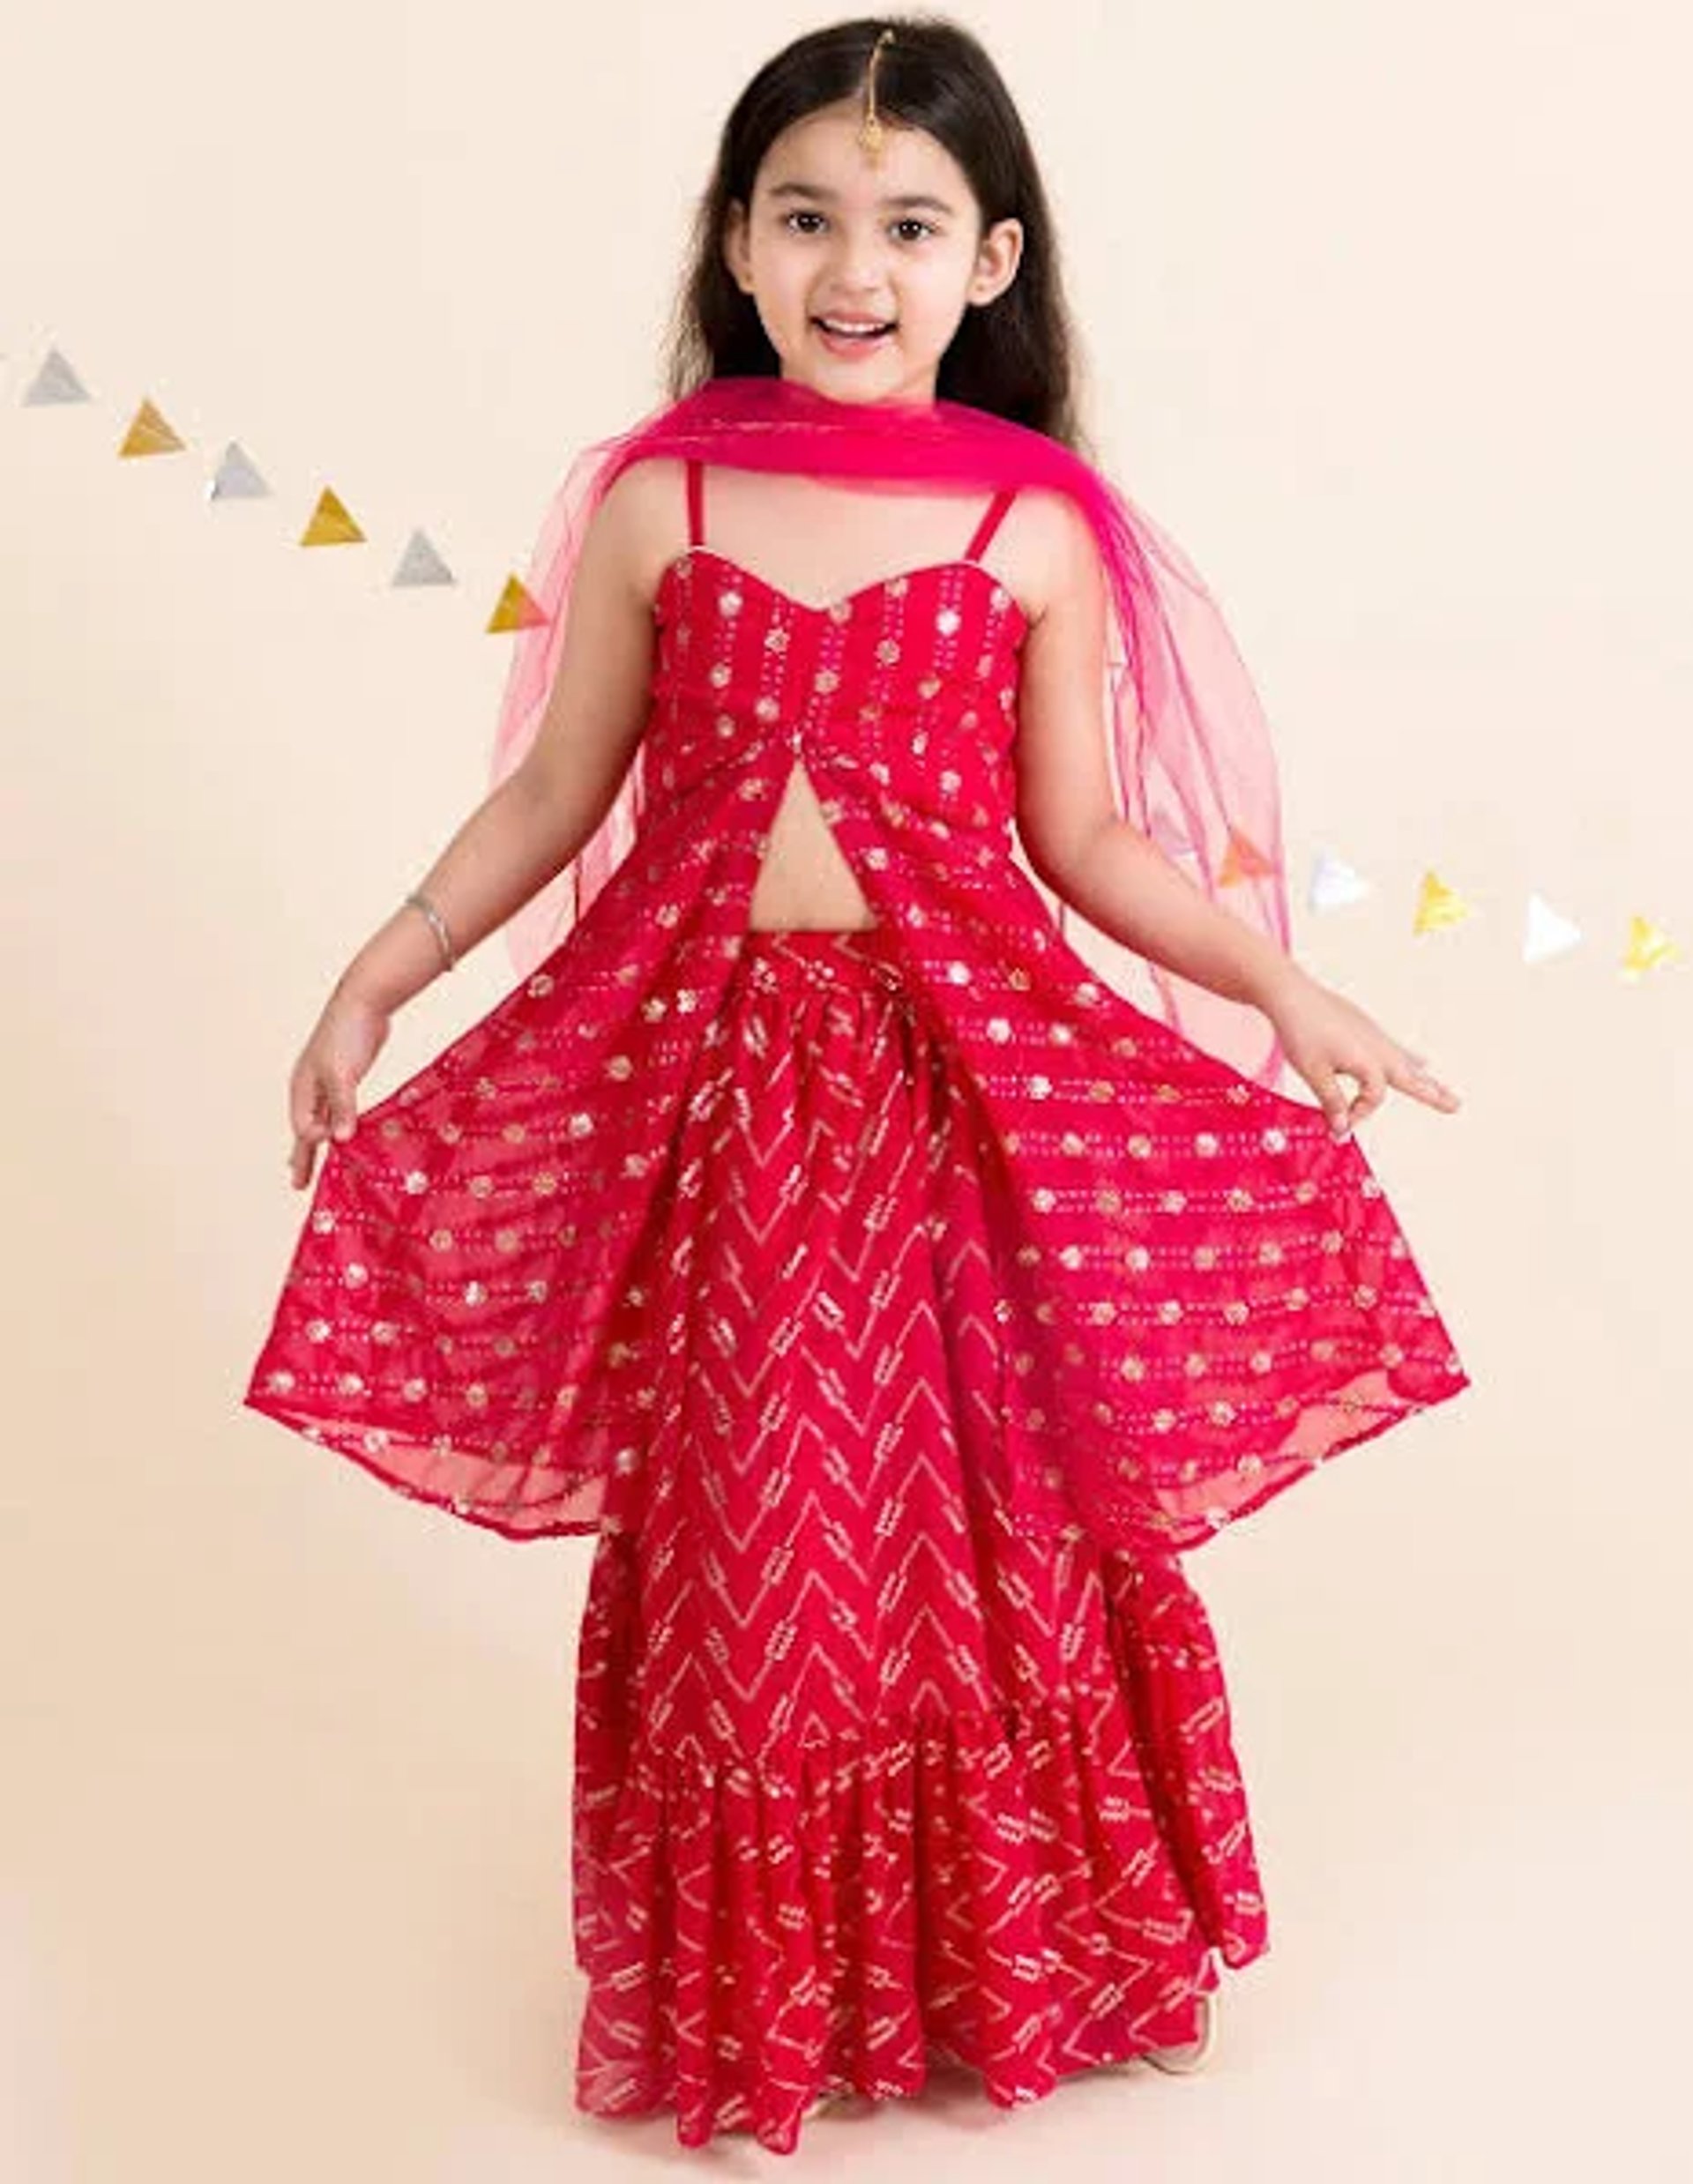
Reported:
(1201, 1294)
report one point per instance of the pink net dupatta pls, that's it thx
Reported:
(1192, 759)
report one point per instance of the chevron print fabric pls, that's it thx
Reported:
(867, 1780)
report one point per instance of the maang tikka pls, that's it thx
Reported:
(871, 134)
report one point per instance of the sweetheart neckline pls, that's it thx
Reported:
(848, 598)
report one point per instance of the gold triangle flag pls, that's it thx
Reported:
(1648, 947)
(149, 434)
(330, 525)
(1438, 906)
(516, 610)
(1242, 861)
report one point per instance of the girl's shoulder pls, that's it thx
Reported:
(1048, 546)
(636, 518)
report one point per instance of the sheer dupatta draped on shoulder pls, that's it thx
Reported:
(1191, 1293)
(1191, 755)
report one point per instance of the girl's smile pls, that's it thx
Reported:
(863, 341)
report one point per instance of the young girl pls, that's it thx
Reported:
(893, 1300)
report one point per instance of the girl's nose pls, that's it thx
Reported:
(858, 266)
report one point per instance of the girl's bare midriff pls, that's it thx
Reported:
(805, 879)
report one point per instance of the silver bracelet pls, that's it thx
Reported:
(419, 901)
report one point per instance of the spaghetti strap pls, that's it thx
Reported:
(989, 522)
(696, 521)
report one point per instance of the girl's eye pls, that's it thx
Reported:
(909, 221)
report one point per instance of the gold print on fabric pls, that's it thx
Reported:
(847, 691)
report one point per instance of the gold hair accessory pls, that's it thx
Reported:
(419, 901)
(871, 133)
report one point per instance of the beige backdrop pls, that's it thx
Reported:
(1387, 314)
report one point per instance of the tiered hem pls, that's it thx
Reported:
(1028, 1891)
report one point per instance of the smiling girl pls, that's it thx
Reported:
(893, 1300)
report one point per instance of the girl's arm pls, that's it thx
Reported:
(1079, 844)
(1076, 841)
(531, 826)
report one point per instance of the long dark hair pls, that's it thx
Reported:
(1016, 356)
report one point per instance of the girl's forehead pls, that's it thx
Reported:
(819, 159)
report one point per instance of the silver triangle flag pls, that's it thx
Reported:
(236, 478)
(55, 382)
(420, 564)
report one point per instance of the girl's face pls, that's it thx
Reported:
(832, 235)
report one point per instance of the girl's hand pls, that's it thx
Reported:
(1325, 1036)
(349, 1036)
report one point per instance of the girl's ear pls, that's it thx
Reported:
(734, 242)
(997, 262)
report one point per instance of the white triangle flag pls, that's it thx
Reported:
(1546, 933)
(1334, 884)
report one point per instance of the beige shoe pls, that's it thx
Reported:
(1179, 2061)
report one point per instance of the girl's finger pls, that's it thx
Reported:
(1329, 1090)
(307, 1113)
(1418, 1079)
(1374, 1091)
